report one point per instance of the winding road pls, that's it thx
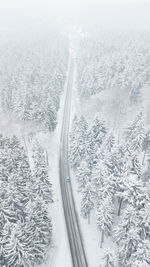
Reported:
(74, 235)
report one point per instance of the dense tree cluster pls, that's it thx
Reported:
(110, 61)
(112, 183)
(109, 259)
(25, 224)
(32, 76)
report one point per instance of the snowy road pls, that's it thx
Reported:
(72, 225)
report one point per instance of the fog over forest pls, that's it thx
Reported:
(130, 14)
(74, 133)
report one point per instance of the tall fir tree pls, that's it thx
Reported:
(42, 185)
(87, 201)
(105, 216)
(135, 134)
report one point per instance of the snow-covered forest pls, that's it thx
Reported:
(74, 133)
(110, 144)
(32, 77)
(114, 61)
(25, 192)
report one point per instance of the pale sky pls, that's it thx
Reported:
(110, 13)
(17, 4)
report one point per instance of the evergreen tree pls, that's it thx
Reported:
(79, 147)
(108, 188)
(116, 161)
(105, 215)
(50, 118)
(87, 203)
(38, 215)
(146, 146)
(110, 142)
(42, 185)
(136, 166)
(5, 230)
(97, 132)
(144, 221)
(83, 175)
(74, 128)
(82, 127)
(99, 174)
(127, 235)
(6, 214)
(109, 259)
(141, 257)
(16, 250)
(135, 134)
(138, 196)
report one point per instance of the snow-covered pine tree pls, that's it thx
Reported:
(146, 175)
(126, 235)
(135, 134)
(115, 161)
(87, 201)
(17, 200)
(108, 188)
(110, 142)
(121, 165)
(82, 127)
(50, 115)
(83, 175)
(136, 166)
(137, 194)
(4, 141)
(74, 128)
(5, 164)
(6, 213)
(15, 180)
(134, 226)
(85, 141)
(109, 258)
(102, 178)
(99, 173)
(141, 257)
(16, 248)
(121, 189)
(78, 142)
(41, 182)
(105, 216)
(144, 222)
(97, 132)
(22, 177)
(146, 145)
(4, 235)
(42, 227)
(76, 153)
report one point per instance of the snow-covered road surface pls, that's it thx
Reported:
(73, 230)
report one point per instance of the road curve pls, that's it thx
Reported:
(72, 225)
